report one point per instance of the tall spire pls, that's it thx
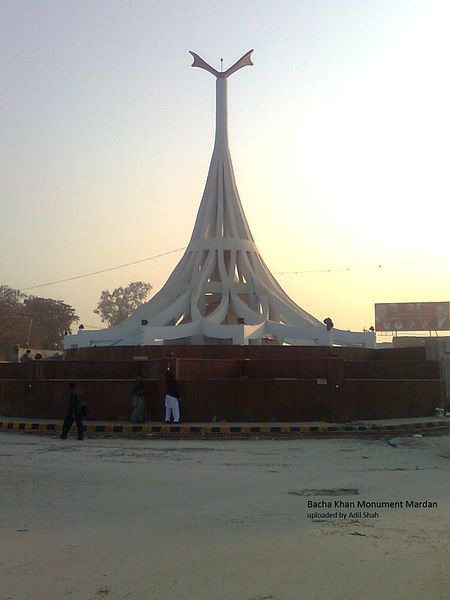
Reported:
(221, 214)
(221, 139)
(221, 290)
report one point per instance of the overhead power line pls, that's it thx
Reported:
(326, 270)
(135, 262)
(362, 267)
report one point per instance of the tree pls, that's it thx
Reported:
(31, 320)
(13, 324)
(51, 318)
(114, 307)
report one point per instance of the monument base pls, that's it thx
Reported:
(232, 383)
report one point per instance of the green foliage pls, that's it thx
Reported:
(51, 318)
(40, 322)
(114, 307)
(13, 324)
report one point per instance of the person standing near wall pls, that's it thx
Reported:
(74, 413)
(138, 399)
(171, 401)
(13, 354)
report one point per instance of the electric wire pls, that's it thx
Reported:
(362, 267)
(135, 262)
(306, 272)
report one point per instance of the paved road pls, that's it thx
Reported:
(222, 520)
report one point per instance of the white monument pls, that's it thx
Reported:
(221, 291)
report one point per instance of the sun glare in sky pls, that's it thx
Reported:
(338, 134)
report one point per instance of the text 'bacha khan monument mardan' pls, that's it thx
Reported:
(221, 291)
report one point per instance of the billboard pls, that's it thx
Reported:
(412, 316)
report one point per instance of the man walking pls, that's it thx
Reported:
(73, 414)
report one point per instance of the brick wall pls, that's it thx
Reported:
(255, 384)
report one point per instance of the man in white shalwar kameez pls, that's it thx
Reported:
(172, 395)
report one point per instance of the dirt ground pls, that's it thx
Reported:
(150, 519)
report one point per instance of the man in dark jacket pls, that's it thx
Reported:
(73, 414)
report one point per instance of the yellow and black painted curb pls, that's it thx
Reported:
(437, 427)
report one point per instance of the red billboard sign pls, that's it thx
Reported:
(412, 316)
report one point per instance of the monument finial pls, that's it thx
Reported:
(202, 64)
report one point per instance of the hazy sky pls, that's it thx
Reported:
(339, 137)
